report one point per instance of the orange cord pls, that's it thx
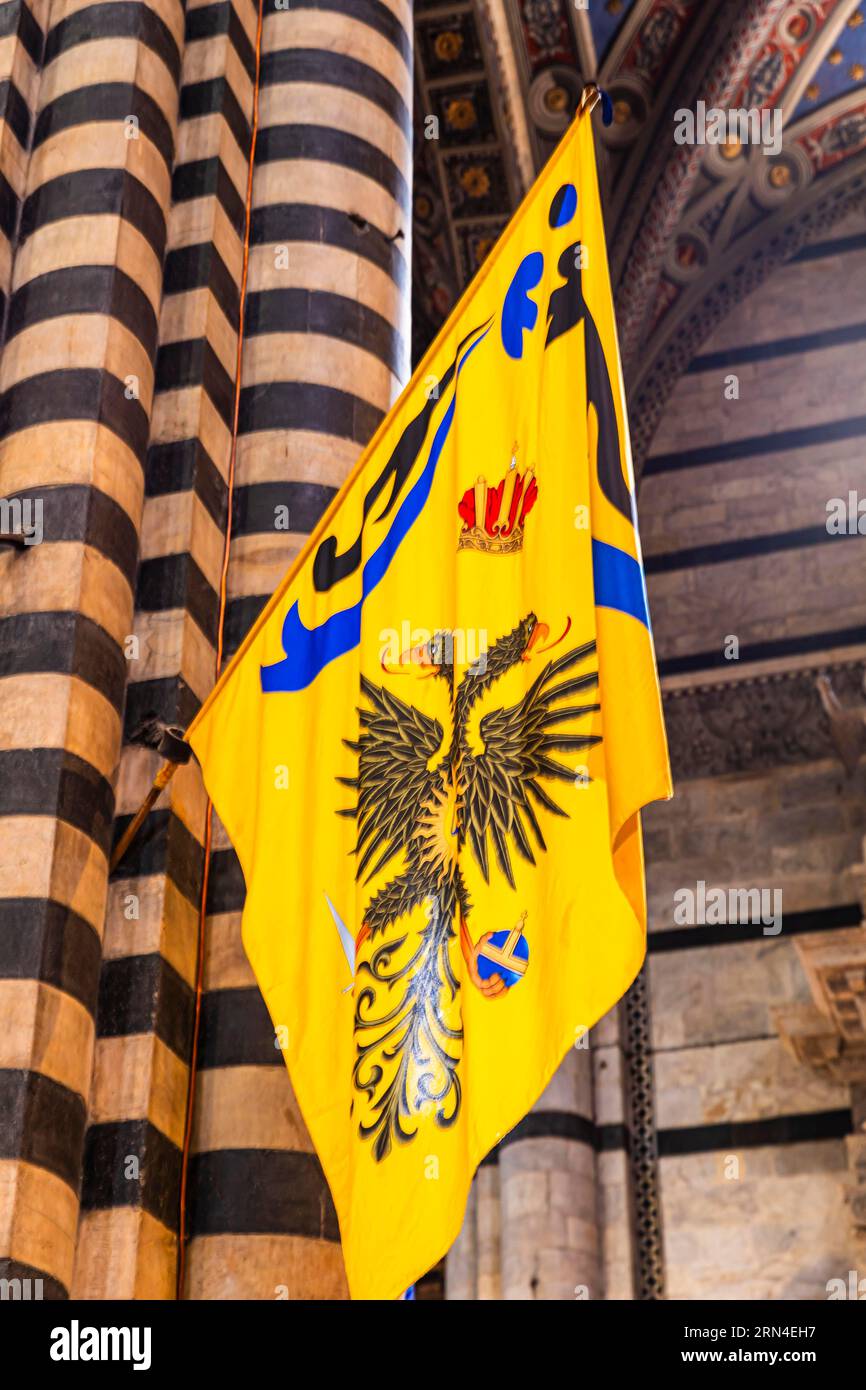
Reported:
(208, 834)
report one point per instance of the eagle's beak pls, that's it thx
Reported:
(415, 661)
(540, 633)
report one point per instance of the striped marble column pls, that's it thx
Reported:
(77, 382)
(547, 1176)
(22, 37)
(461, 1265)
(488, 1234)
(129, 1227)
(611, 1071)
(473, 1268)
(325, 354)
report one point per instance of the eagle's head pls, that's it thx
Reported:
(432, 657)
(517, 645)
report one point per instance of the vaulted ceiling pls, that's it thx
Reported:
(692, 229)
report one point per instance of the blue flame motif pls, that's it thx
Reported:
(309, 650)
(619, 581)
(519, 312)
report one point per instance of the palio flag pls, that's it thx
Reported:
(431, 751)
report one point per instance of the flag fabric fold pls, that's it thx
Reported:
(432, 749)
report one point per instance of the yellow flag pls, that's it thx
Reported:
(431, 750)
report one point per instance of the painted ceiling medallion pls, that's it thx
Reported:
(553, 96)
(556, 99)
(773, 181)
(448, 46)
(544, 24)
(475, 180)
(690, 256)
(797, 25)
(460, 113)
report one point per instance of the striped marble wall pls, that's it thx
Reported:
(77, 381)
(752, 1157)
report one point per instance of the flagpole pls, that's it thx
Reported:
(177, 752)
(590, 97)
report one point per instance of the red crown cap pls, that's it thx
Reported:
(495, 524)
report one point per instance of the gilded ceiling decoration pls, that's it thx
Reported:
(692, 228)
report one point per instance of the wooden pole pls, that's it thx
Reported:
(172, 743)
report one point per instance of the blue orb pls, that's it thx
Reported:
(487, 967)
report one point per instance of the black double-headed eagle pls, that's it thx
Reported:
(425, 796)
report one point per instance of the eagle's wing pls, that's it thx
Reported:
(503, 785)
(394, 747)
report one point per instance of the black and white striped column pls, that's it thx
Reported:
(76, 380)
(325, 354)
(129, 1227)
(22, 39)
(547, 1174)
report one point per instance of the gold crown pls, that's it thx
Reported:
(493, 517)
